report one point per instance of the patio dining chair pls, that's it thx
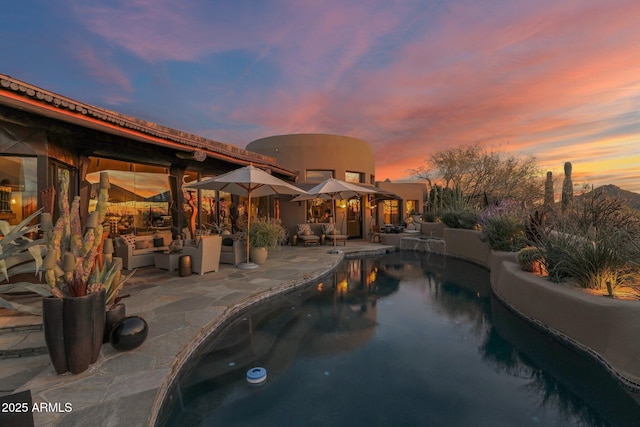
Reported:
(374, 234)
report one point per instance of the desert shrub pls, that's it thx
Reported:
(609, 256)
(464, 218)
(504, 233)
(503, 227)
(595, 242)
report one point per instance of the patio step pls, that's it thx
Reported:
(22, 341)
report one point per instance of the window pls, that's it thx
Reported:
(390, 212)
(318, 175)
(356, 177)
(137, 200)
(410, 206)
(18, 188)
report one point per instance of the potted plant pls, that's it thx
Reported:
(84, 278)
(265, 233)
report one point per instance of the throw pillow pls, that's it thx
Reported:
(227, 241)
(158, 242)
(129, 239)
(303, 228)
(328, 228)
(141, 244)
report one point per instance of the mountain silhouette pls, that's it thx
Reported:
(631, 199)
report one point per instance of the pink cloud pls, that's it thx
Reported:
(554, 79)
(101, 68)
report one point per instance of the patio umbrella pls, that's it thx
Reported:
(332, 188)
(248, 182)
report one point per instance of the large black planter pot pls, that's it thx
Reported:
(77, 329)
(113, 316)
(52, 321)
(99, 318)
(74, 328)
(129, 333)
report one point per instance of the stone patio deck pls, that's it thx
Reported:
(127, 388)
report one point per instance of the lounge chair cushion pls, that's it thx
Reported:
(329, 228)
(304, 230)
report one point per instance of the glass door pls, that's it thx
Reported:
(354, 218)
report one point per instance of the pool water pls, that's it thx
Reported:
(403, 339)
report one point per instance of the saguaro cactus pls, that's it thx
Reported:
(567, 187)
(549, 199)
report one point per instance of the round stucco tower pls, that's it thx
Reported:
(317, 157)
(319, 152)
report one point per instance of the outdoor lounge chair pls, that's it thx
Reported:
(306, 235)
(328, 230)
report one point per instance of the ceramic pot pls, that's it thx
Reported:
(258, 255)
(74, 328)
(99, 316)
(129, 333)
(113, 316)
(77, 329)
(52, 320)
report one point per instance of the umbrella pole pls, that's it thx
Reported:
(247, 265)
(333, 220)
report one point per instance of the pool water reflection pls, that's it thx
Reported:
(402, 339)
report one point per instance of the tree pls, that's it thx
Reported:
(481, 173)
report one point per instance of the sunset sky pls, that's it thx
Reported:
(556, 79)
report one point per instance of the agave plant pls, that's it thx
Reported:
(20, 254)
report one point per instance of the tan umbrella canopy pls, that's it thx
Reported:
(248, 182)
(332, 188)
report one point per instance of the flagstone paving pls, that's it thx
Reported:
(127, 388)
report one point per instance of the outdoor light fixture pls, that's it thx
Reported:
(198, 155)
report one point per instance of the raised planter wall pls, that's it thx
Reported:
(466, 244)
(606, 328)
(432, 229)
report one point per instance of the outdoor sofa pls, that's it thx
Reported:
(139, 250)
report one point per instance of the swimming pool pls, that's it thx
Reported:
(402, 339)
